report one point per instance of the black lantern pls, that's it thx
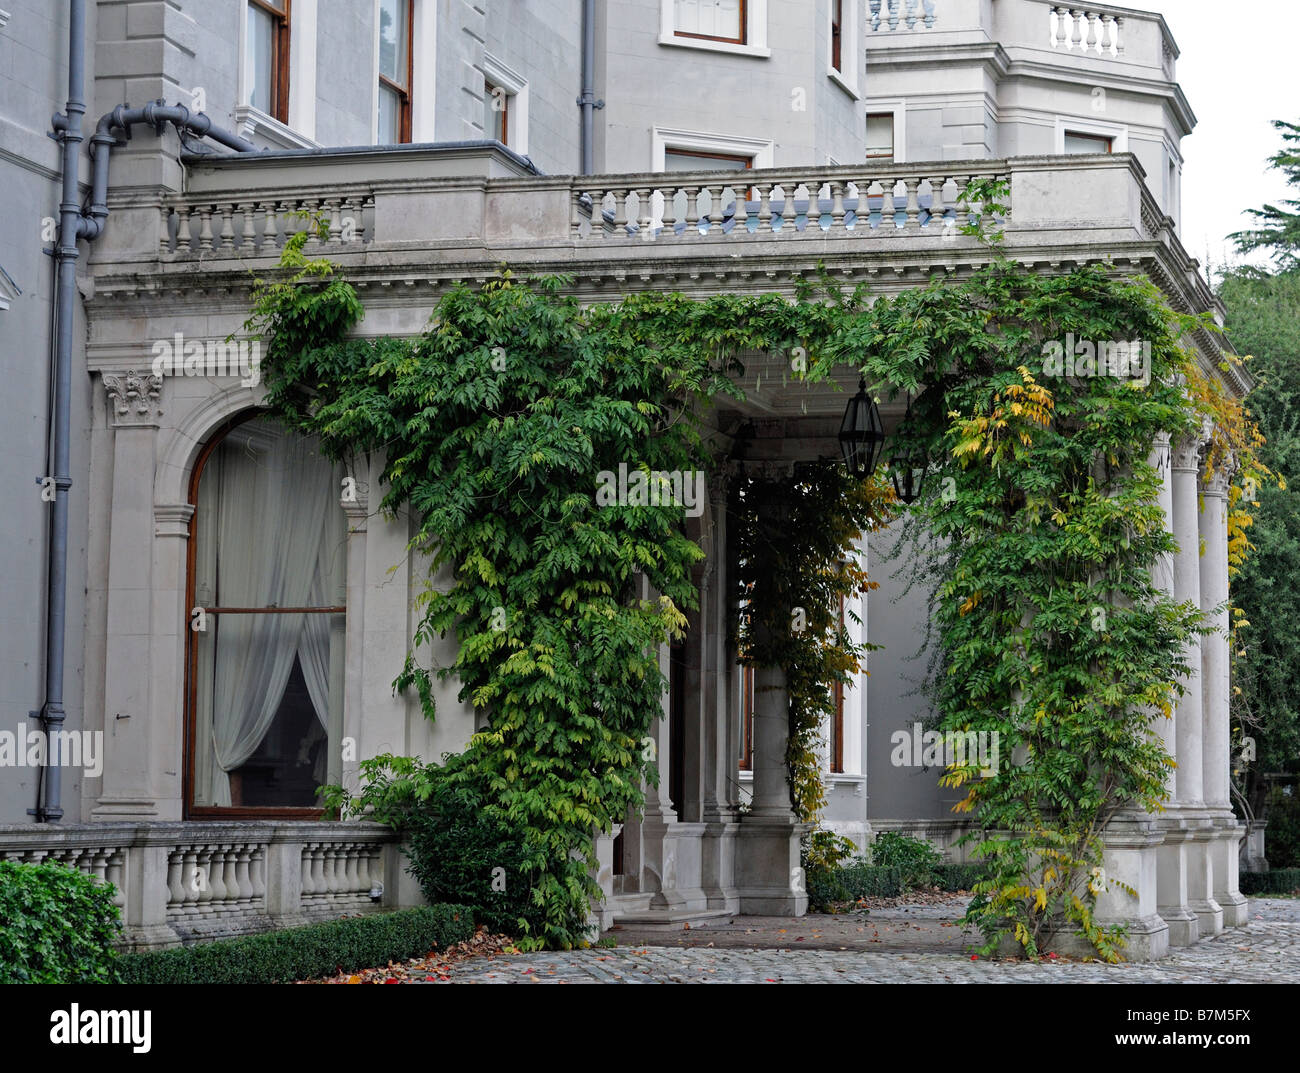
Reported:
(907, 470)
(862, 434)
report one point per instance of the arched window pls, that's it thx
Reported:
(266, 584)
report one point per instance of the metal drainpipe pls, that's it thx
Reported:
(72, 226)
(588, 101)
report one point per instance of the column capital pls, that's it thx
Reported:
(1186, 453)
(1217, 483)
(135, 398)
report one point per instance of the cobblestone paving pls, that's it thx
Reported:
(1266, 950)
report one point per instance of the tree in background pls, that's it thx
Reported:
(1263, 319)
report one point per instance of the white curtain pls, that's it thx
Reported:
(274, 496)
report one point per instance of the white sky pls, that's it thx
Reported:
(1240, 69)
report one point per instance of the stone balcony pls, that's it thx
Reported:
(404, 225)
(1081, 36)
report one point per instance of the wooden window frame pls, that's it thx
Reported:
(746, 760)
(743, 39)
(893, 137)
(404, 92)
(837, 35)
(705, 154)
(189, 810)
(837, 718)
(506, 95)
(1109, 139)
(279, 56)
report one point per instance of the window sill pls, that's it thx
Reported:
(250, 121)
(673, 40)
(838, 78)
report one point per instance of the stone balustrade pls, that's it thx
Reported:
(182, 882)
(1080, 29)
(886, 15)
(260, 226)
(774, 202)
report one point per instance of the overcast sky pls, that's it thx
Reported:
(1240, 69)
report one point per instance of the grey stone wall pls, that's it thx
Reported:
(33, 85)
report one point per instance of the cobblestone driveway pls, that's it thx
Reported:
(1267, 950)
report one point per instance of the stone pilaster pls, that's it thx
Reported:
(138, 749)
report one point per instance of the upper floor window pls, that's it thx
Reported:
(395, 19)
(837, 35)
(714, 20)
(1078, 142)
(267, 587)
(497, 109)
(880, 136)
(267, 57)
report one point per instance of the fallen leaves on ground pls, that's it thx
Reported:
(433, 967)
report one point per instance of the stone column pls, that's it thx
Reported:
(1190, 775)
(768, 872)
(1171, 852)
(718, 846)
(1216, 693)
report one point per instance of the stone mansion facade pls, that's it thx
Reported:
(440, 140)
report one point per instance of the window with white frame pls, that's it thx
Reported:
(276, 82)
(717, 20)
(1076, 135)
(395, 64)
(266, 57)
(738, 26)
(505, 105)
(880, 136)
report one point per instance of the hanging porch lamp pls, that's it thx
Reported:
(862, 434)
(908, 469)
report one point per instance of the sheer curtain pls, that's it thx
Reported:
(273, 497)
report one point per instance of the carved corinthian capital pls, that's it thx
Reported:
(1186, 453)
(135, 396)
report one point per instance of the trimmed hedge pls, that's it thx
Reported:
(859, 879)
(953, 877)
(57, 926)
(1278, 881)
(305, 953)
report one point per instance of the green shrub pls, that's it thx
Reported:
(460, 847)
(953, 877)
(305, 953)
(1278, 881)
(57, 926)
(1282, 836)
(821, 853)
(862, 879)
(916, 860)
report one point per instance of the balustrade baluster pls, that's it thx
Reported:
(205, 228)
(692, 228)
(669, 194)
(308, 880)
(913, 207)
(764, 208)
(937, 209)
(837, 205)
(814, 213)
(620, 213)
(229, 876)
(243, 880)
